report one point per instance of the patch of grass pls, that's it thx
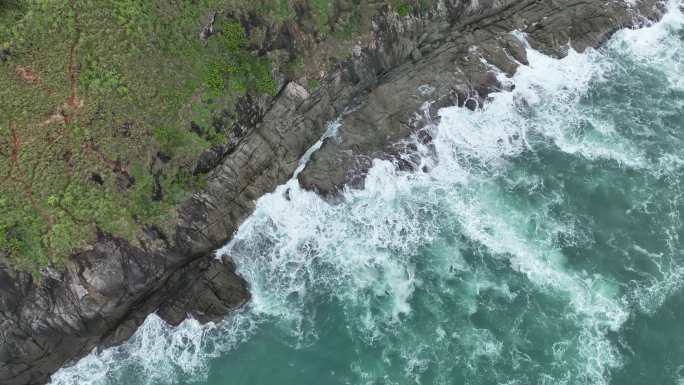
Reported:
(294, 66)
(214, 78)
(234, 36)
(314, 83)
(322, 14)
(404, 9)
(261, 75)
(244, 71)
(100, 80)
(249, 73)
(281, 10)
(350, 25)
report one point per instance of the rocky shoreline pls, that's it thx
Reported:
(391, 86)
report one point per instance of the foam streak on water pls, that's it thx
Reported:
(545, 229)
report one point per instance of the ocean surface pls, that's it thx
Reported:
(542, 245)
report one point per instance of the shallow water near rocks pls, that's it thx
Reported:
(543, 245)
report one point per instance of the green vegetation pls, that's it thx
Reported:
(404, 9)
(107, 105)
(237, 71)
(321, 14)
(234, 36)
(314, 83)
(214, 78)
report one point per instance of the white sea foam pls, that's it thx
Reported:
(159, 353)
(646, 44)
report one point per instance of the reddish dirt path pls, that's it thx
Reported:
(29, 75)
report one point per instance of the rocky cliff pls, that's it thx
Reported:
(392, 83)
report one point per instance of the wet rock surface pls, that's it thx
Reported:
(390, 88)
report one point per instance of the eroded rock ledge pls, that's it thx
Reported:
(104, 293)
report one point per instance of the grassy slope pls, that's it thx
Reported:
(97, 99)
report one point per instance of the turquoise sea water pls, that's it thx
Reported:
(543, 245)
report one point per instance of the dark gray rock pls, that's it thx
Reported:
(5, 55)
(202, 291)
(210, 158)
